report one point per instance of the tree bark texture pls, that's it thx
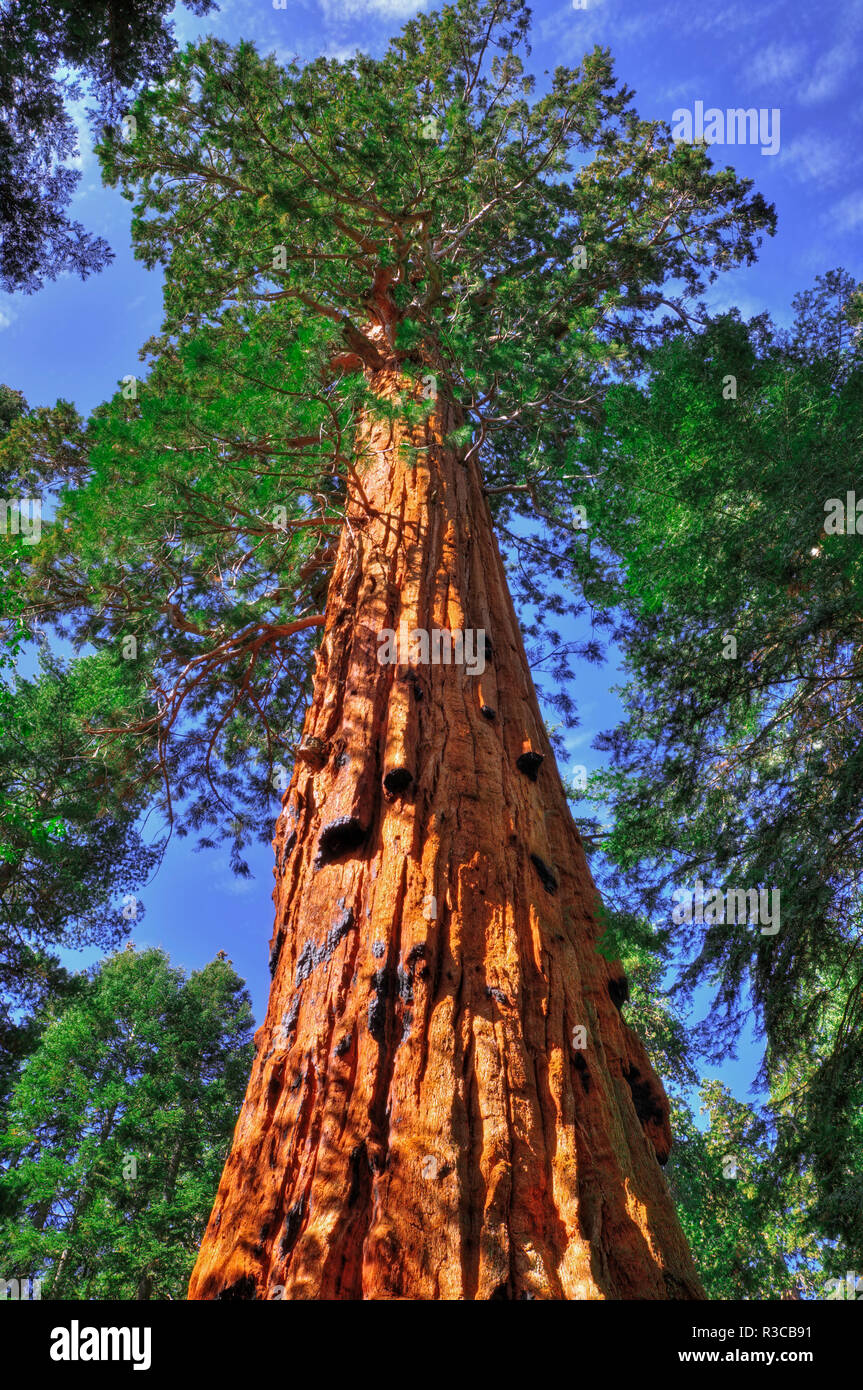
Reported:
(418, 1123)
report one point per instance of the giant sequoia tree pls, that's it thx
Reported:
(395, 290)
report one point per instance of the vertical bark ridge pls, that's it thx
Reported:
(418, 1123)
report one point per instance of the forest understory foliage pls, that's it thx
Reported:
(528, 270)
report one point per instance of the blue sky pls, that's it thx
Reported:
(77, 339)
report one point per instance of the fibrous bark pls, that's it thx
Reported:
(419, 1123)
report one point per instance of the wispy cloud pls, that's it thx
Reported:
(841, 61)
(828, 77)
(576, 31)
(847, 214)
(357, 9)
(778, 62)
(7, 316)
(815, 158)
(238, 887)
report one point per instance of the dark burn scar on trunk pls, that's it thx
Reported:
(360, 1170)
(618, 992)
(339, 837)
(397, 780)
(547, 878)
(647, 1106)
(312, 955)
(378, 1005)
(276, 951)
(581, 1067)
(529, 763)
(293, 1225)
(241, 1288)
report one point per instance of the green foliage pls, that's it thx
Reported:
(747, 770)
(51, 53)
(748, 1218)
(69, 845)
(311, 227)
(118, 1127)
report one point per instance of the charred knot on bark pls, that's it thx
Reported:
(405, 984)
(497, 994)
(381, 983)
(487, 712)
(293, 1226)
(529, 763)
(288, 846)
(618, 992)
(340, 837)
(584, 1074)
(397, 781)
(312, 956)
(290, 1016)
(276, 951)
(413, 679)
(546, 875)
(648, 1107)
(313, 751)
(361, 1170)
(241, 1288)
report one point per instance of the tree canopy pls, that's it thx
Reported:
(52, 56)
(426, 209)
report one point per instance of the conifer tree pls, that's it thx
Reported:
(395, 292)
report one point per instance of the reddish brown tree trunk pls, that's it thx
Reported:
(418, 1123)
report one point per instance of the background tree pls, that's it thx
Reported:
(378, 273)
(70, 847)
(52, 55)
(118, 1127)
(741, 765)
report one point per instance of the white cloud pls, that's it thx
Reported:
(7, 316)
(238, 887)
(779, 62)
(841, 61)
(576, 31)
(819, 158)
(830, 73)
(847, 214)
(356, 9)
(340, 51)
